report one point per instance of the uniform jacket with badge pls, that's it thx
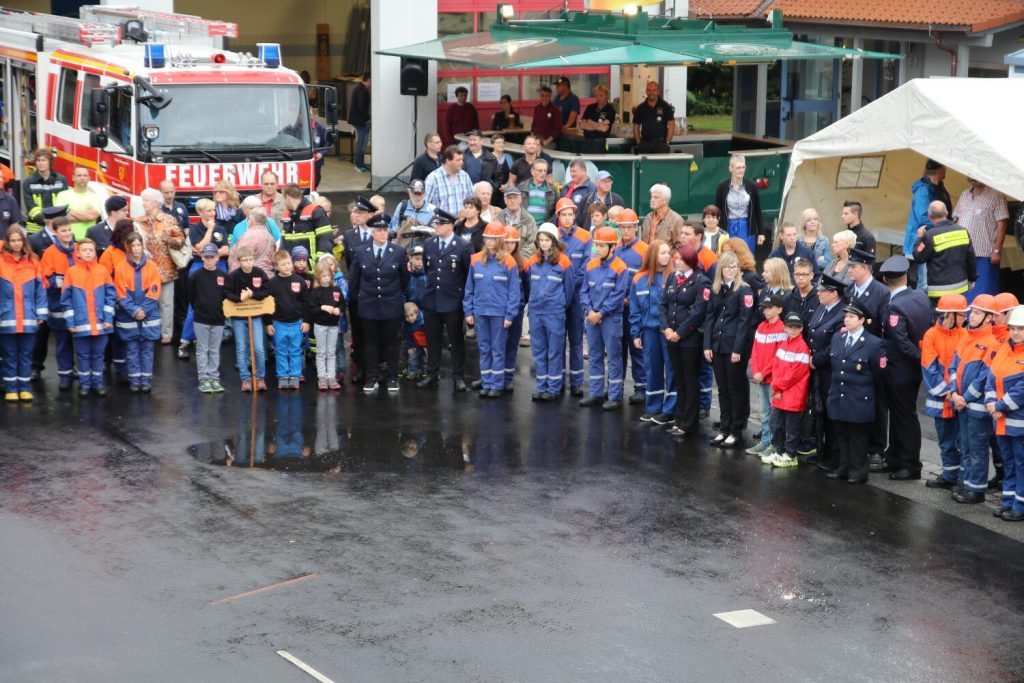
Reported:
(380, 290)
(578, 250)
(89, 297)
(904, 322)
(446, 273)
(855, 372)
(552, 285)
(730, 320)
(684, 308)
(351, 240)
(938, 347)
(137, 286)
(22, 294)
(791, 375)
(645, 294)
(492, 288)
(969, 367)
(946, 249)
(824, 323)
(633, 255)
(605, 286)
(1004, 385)
(872, 301)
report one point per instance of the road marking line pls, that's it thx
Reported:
(744, 618)
(305, 667)
(255, 591)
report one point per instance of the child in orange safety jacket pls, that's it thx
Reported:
(791, 381)
(1004, 402)
(88, 297)
(22, 309)
(938, 348)
(137, 318)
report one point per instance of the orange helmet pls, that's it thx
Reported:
(984, 302)
(494, 229)
(628, 216)
(952, 303)
(1004, 301)
(511, 234)
(563, 204)
(606, 235)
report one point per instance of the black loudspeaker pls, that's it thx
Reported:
(412, 79)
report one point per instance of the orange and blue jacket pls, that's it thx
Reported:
(605, 286)
(577, 248)
(111, 257)
(552, 285)
(138, 288)
(53, 266)
(970, 366)
(492, 287)
(1005, 386)
(938, 347)
(88, 297)
(22, 295)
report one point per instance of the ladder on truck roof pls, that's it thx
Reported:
(161, 26)
(81, 31)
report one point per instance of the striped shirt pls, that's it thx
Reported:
(446, 192)
(537, 202)
(979, 213)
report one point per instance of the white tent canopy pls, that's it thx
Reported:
(874, 155)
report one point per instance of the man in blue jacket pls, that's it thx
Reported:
(924, 191)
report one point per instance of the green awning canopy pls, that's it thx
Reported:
(599, 39)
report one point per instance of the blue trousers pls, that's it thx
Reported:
(1012, 450)
(490, 340)
(988, 279)
(512, 348)
(605, 341)
(17, 360)
(975, 433)
(740, 227)
(660, 393)
(574, 319)
(240, 327)
(362, 136)
(288, 348)
(950, 433)
(707, 380)
(188, 331)
(547, 344)
(65, 355)
(765, 392)
(90, 352)
(139, 358)
(630, 352)
(118, 357)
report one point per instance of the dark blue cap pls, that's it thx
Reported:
(859, 256)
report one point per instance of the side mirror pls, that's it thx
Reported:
(330, 104)
(99, 108)
(98, 139)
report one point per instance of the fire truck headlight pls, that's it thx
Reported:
(151, 132)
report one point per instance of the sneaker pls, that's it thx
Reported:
(247, 385)
(204, 387)
(647, 417)
(11, 396)
(333, 385)
(392, 386)
(183, 351)
(284, 383)
(758, 448)
(807, 449)
(261, 384)
(370, 386)
(321, 384)
(784, 460)
(216, 386)
(664, 419)
(25, 395)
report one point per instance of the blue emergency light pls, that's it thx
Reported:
(270, 54)
(155, 55)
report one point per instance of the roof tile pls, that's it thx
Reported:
(977, 15)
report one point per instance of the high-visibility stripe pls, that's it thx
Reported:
(953, 238)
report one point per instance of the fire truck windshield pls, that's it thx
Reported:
(230, 118)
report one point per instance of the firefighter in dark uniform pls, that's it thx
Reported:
(359, 235)
(379, 281)
(856, 361)
(305, 224)
(904, 322)
(40, 189)
(871, 296)
(825, 321)
(654, 123)
(446, 259)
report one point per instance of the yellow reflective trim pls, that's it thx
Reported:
(953, 238)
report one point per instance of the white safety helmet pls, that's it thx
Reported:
(549, 229)
(1015, 318)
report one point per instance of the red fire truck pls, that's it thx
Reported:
(139, 97)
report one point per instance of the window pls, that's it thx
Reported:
(859, 172)
(66, 96)
(120, 132)
(91, 82)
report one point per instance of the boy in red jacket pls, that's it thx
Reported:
(767, 338)
(791, 373)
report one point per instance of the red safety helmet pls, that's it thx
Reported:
(563, 204)
(628, 216)
(495, 229)
(952, 303)
(984, 302)
(1004, 301)
(606, 235)
(511, 234)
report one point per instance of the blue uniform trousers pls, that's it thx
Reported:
(636, 356)
(1012, 450)
(740, 227)
(490, 340)
(139, 358)
(17, 360)
(547, 344)
(288, 348)
(988, 279)
(240, 327)
(661, 392)
(90, 352)
(574, 319)
(65, 355)
(975, 433)
(949, 432)
(605, 340)
(118, 357)
(512, 348)
(707, 381)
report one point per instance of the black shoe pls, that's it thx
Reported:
(940, 483)
(146, 388)
(100, 391)
(904, 475)
(483, 393)
(537, 397)
(756, 436)
(611, 405)
(509, 389)
(1011, 516)
(862, 480)
(718, 439)
(705, 413)
(35, 376)
(592, 401)
(576, 391)
(549, 397)
(995, 483)
(716, 425)
(392, 386)
(836, 474)
(647, 417)
(370, 386)
(664, 419)
(812, 459)
(183, 352)
(969, 497)
(359, 377)
(428, 382)
(637, 399)
(134, 388)
(494, 393)
(476, 385)
(83, 392)
(876, 462)
(460, 385)
(65, 385)
(998, 512)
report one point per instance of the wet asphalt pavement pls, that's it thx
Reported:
(449, 538)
